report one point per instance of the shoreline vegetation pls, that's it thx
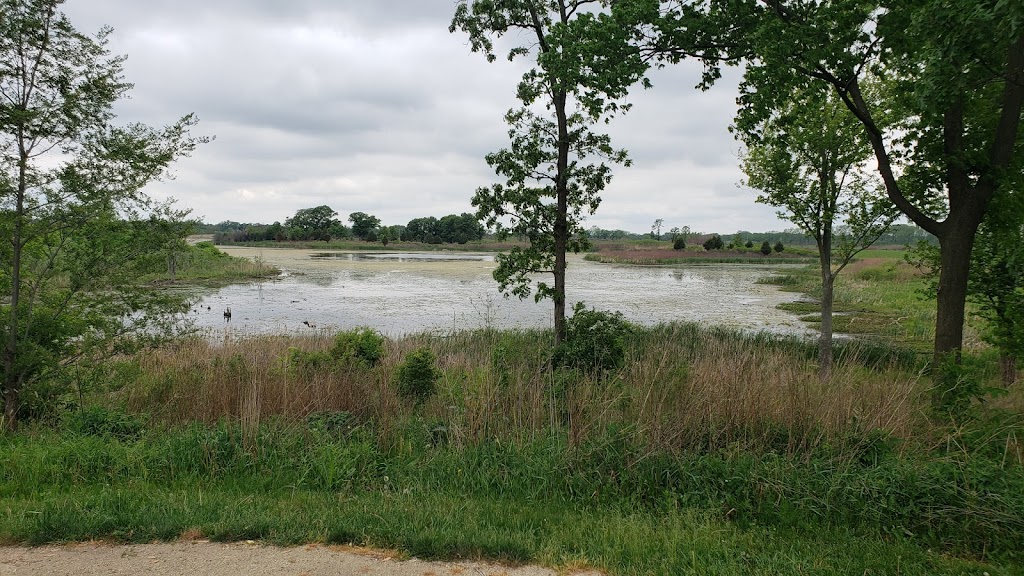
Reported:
(202, 263)
(700, 449)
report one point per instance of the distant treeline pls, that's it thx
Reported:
(897, 235)
(320, 223)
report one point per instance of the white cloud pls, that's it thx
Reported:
(375, 107)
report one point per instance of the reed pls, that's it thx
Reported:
(682, 387)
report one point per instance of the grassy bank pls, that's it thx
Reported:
(707, 451)
(880, 298)
(203, 263)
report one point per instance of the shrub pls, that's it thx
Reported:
(679, 243)
(362, 346)
(714, 243)
(779, 247)
(766, 248)
(595, 340)
(99, 421)
(417, 376)
(750, 244)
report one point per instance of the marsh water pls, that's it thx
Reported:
(402, 293)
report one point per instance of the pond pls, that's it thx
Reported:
(401, 293)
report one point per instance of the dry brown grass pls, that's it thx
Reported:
(679, 389)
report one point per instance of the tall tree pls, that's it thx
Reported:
(956, 69)
(808, 159)
(363, 225)
(313, 223)
(553, 179)
(71, 208)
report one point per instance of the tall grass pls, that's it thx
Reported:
(682, 387)
(733, 427)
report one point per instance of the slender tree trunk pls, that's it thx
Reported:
(561, 218)
(827, 295)
(12, 380)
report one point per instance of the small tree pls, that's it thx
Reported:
(713, 243)
(656, 229)
(73, 219)
(807, 160)
(779, 247)
(556, 166)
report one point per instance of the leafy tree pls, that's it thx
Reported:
(555, 168)
(418, 229)
(944, 136)
(808, 160)
(778, 247)
(750, 243)
(313, 223)
(363, 225)
(714, 243)
(72, 215)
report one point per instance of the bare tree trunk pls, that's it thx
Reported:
(561, 218)
(1008, 368)
(827, 295)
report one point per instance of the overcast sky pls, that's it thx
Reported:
(374, 107)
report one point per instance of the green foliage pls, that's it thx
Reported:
(362, 346)
(312, 224)
(750, 244)
(766, 248)
(595, 340)
(714, 243)
(364, 226)
(105, 423)
(679, 243)
(556, 166)
(78, 230)
(779, 247)
(416, 379)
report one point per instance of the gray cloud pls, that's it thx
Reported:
(375, 107)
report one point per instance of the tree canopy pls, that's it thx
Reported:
(944, 136)
(555, 167)
(76, 226)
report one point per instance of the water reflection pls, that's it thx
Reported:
(399, 293)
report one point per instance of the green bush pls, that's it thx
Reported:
(714, 243)
(362, 346)
(766, 248)
(679, 243)
(779, 247)
(417, 376)
(106, 423)
(595, 340)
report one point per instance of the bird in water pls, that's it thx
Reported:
(227, 315)
(308, 323)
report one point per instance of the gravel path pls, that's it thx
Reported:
(201, 558)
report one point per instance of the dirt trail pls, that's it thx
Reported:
(201, 558)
